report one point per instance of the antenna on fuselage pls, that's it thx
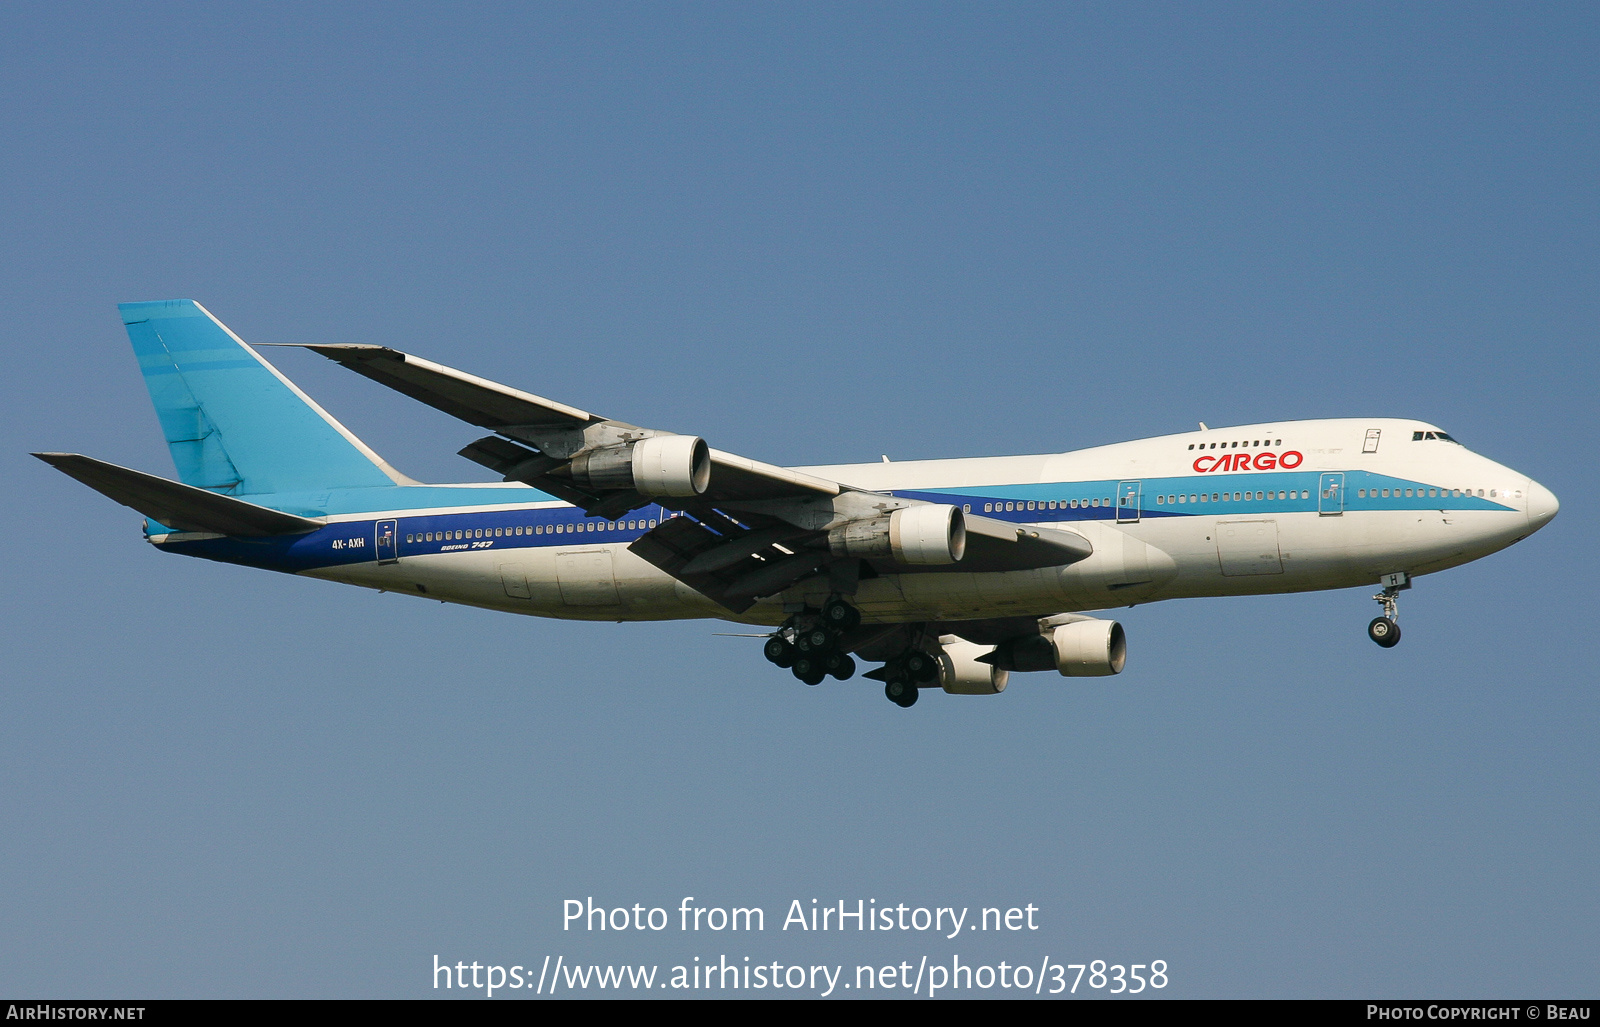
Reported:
(1203, 426)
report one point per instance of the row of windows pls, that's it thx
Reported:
(1223, 497)
(1064, 504)
(1420, 493)
(1235, 445)
(529, 529)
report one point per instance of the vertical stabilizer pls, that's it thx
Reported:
(234, 424)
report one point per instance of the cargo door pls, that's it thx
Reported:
(587, 578)
(1248, 547)
(515, 579)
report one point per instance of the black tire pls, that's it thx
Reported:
(802, 643)
(821, 639)
(778, 651)
(841, 666)
(1384, 631)
(840, 615)
(896, 688)
(806, 666)
(921, 666)
(815, 678)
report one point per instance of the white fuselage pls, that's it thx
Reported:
(1283, 507)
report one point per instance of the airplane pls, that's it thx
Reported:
(951, 574)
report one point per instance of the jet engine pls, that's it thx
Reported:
(960, 673)
(1089, 648)
(1077, 649)
(662, 465)
(926, 535)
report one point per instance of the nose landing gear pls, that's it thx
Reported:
(1385, 630)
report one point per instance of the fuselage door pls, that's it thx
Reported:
(1330, 493)
(1129, 494)
(387, 542)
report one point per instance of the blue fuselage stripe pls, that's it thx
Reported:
(465, 530)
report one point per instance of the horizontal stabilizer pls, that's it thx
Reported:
(176, 505)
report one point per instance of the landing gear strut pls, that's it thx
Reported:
(1385, 630)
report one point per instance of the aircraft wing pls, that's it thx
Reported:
(753, 529)
(529, 418)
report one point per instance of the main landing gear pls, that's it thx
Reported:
(810, 647)
(1385, 630)
(905, 674)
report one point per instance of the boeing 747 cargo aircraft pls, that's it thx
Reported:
(948, 573)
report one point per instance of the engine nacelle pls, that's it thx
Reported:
(927, 535)
(1089, 648)
(662, 465)
(960, 673)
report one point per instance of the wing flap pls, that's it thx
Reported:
(177, 505)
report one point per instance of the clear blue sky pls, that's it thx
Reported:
(810, 233)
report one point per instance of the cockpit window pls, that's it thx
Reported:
(1418, 436)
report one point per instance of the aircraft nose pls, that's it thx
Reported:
(1542, 505)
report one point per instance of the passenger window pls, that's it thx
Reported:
(652, 524)
(1480, 493)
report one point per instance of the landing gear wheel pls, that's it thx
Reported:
(1384, 631)
(840, 615)
(901, 692)
(809, 669)
(779, 651)
(841, 666)
(820, 639)
(920, 666)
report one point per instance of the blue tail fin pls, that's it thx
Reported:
(233, 423)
